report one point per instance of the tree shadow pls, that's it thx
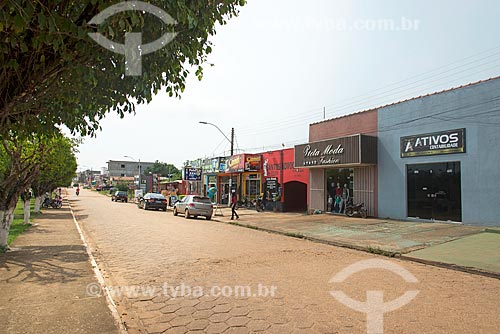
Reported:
(44, 264)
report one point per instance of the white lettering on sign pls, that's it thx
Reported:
(434, 142)
(330, 151)
(310, 153)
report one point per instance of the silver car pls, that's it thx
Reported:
(194, 206)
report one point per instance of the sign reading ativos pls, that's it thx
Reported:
(443, 142)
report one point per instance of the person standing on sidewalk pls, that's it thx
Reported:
(234, 200)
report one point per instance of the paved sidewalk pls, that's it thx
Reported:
(43, 282)
(375, 234)
(457, 246)
(480, 251)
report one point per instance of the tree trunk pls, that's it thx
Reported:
(6, 218)
(38, 204)
(27, 211)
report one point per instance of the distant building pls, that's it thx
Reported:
(127, 168)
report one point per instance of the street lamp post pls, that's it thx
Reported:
(139, 161)
(231, 141)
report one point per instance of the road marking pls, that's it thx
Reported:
(109, 299)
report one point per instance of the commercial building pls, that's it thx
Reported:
(285, 184)
(127, 168)
(433, 157)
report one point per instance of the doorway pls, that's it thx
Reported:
(434, 191)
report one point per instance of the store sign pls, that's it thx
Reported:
(355, 149)
(236, 163)
(222, 164)
(244, 163)
(444, 142)
(192, 174)
(252, 163)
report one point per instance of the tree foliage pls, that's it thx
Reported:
(53, 73)
(164, 169)
(22, 158)
(59, 166)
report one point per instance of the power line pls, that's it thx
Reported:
(301, 117)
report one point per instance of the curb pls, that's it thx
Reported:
(109, 299)
(375, 251)
(317, 240)
(455, 267)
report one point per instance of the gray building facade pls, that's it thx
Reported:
(439, 156)
(127, 168)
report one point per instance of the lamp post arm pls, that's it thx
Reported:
(229, 140)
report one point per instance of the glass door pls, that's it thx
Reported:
(434, 191)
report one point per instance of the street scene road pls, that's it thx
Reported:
(173, 275)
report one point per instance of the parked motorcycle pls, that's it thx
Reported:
(358, 209)
(259, 204)
(55, 203)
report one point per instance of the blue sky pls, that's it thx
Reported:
(281, 61)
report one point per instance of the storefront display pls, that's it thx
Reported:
(342, 170)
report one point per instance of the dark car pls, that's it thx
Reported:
(153, 201)
(120, 196)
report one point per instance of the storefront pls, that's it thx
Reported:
(211, 167)
(341, 170)
(244, 175)
(438, 156)
(192, 178)
(286, 186)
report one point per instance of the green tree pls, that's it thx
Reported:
(60, 166)
(53, 73)
(164, 169)
(21, 159)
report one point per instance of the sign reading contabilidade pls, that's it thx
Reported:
(444, 142)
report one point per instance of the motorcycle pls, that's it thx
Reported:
(259, 204)
(77, 192)
(358, 209)
(55, 203)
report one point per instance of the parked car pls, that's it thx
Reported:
(120, 196)
(194, 205)
(152, 201)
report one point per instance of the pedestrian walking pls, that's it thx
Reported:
(234, 200)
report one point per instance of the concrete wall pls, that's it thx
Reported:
(475, 108)
(362, 122)
(365, 177)
(131, 168)
(317, 189)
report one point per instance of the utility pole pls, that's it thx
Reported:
(324, 112)
(232, 141)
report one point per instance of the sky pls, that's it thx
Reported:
(283, 64)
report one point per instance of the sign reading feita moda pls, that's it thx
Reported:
(443, 142)
(352, 150)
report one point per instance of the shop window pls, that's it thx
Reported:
(340, 188)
